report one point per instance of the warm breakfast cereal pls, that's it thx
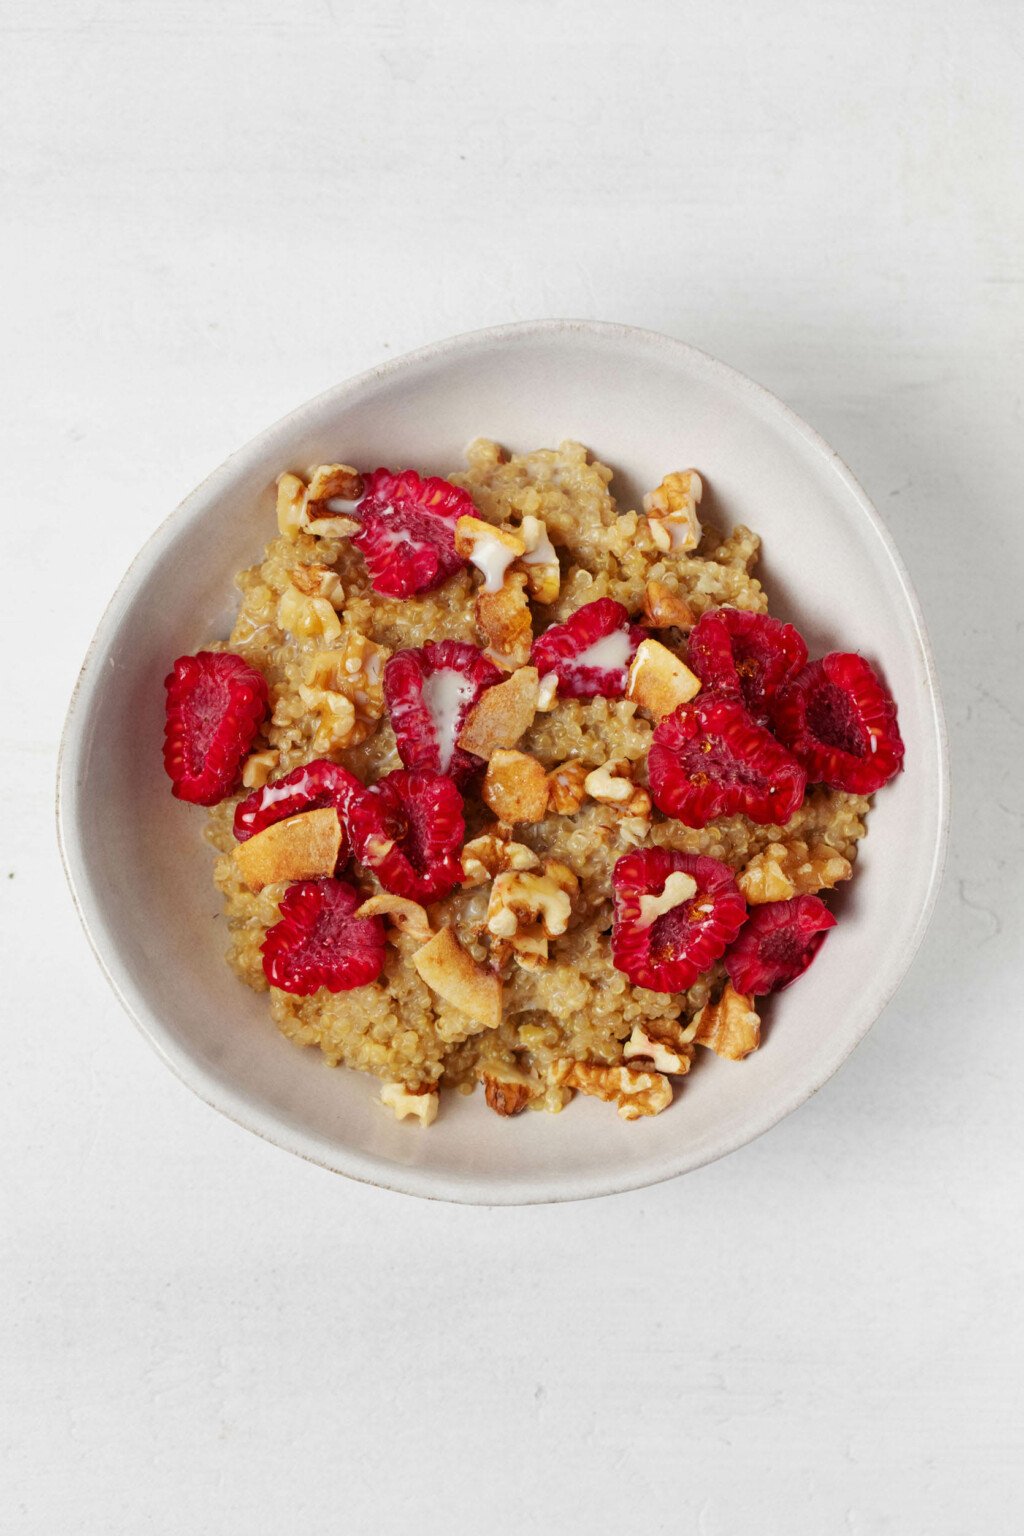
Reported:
(512, 786)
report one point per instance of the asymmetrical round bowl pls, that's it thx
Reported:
(140, 871)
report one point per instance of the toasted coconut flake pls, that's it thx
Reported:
(658, 681)
(303, 847)
(515, 787)
(501, 715)
(455, 976)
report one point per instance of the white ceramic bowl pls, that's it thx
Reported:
(140, 872)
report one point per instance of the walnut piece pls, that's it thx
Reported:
(490, 854)
(521, 897)
(672, 512)
(784, 870)
(291, 506)
(679, 887)
(501, 715)
(730, 1027)
(507, 1089)
(666, 609)
(664, 1055)
(455, 976)
(303, 847)
(258, 767)
(635, 1091)
(307, 618)
(420, 1103)
(540, 562)
(566, 790)
(408, 917)
(658, 681)
(319, 581)
(345, 686)
(515, 787)
(612, 783)
(491, 550)
(334, 490)
(503, 619)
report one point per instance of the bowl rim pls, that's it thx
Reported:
(366, 1168)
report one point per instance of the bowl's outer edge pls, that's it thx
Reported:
(366, 1169)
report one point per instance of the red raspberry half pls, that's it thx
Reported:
(429, 692)
(309, 788)
(215, 705)
(590, 653)
(407, 536)
(318, 943)
(409, 830)
(839, 719)
(747, 656)
(669, 952)
(711, 758)
(778, 944)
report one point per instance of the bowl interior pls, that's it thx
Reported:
(141, 871)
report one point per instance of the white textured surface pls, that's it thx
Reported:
(216, 209)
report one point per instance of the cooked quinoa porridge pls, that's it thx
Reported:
(512, 786)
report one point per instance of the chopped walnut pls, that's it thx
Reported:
(527, 909)
(455, 976)
(407, 917)
(635, 1091)
(729, 1027)
(489, 855)
(784, 870)
(258, 767)
(491, 550)
(666, 609)
(515, 787)
(420, 1103)
(566, 790)
(664, 1054)
(303, 847)
(319, 581)
(334, 490)
(346, 686)
(547, 693)
(291, 506)
(501, 715)
(507, 1089)
(678, 889)
(503, 619)
(658, 681)
(611, 784)
(672, 512)
(543, 572)
(307, 618)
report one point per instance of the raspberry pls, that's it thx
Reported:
(778, 944)
(429, 692)
(215, 705)
(308, 788)
(747, 656)
(668, 954)
(590, 653)
(318, 943)
(407, 537)
(408, 829)
(711, 758)
(839, 720)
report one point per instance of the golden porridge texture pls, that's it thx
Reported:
(568, 1020)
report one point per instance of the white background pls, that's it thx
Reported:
(214, 210)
